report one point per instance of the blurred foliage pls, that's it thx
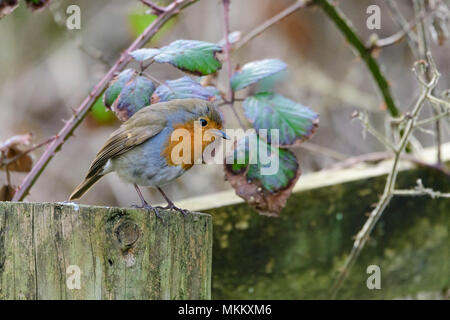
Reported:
(100, 114)
(139, 21)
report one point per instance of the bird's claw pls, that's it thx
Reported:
(149, 208)
(171, 206)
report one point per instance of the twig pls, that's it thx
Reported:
(172, 10)
(399, 36)
(438, 116)
(420, 190)
(226, 22)
(363, 235)
(423, 47)
(344, 26)
(7, 162)
(367, 126)
(402, 23)
(16, 140)
(270, 22)
(156, 8)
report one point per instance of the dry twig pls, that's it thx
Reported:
(398, 149)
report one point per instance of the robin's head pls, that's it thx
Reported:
(193, 117)
(191, 114)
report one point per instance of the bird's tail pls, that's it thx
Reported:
(84, 186)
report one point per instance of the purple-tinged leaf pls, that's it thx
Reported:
(116, 86)
(266, 191)
(135, 95)
(182, 88)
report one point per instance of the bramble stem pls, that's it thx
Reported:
(79, 113)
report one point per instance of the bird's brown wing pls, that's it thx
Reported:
(142, 126)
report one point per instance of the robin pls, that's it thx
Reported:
(140, 151)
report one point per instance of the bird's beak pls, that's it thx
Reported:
(219, 133)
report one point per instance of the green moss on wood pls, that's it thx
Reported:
(297, 255)
(122, 253)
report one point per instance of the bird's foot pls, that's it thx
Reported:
(149, 208)
(172, 206)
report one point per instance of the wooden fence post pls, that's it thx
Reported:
(66, 251)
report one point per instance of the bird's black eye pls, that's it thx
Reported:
(203, 122)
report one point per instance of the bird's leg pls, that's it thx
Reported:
(145, 204)
(170, 204)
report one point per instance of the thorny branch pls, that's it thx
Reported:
(82, 110)
(398, 149)
(157, 9)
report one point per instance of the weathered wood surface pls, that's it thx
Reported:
(297, 255)
(121, 253)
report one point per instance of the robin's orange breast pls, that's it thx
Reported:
(181, 149)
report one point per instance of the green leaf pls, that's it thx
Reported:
(267, 110)
(254, 155)
(192, 56)
(266, 191)
(135, 95)
(116, 86)
(182, 88)
(255, 71)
